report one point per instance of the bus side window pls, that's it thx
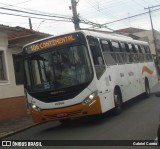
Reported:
(97, 56)
(137, 53)
(128, 53)
(148, 53)
(141, 55)
(131, 53)
(144, 53)
(117, 52)
(123, 52)
(134, 54)
(108, 52)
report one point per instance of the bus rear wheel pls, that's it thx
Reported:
(147, 89)
(117, 102)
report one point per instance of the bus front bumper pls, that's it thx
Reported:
(79, 110)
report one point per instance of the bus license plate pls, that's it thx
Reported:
(62, 115)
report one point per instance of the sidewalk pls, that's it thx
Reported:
(15, 125)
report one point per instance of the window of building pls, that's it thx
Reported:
(18, 69)
(2, 67)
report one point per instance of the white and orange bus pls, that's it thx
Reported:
(85, 73)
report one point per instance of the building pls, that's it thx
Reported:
(144, 35)
(12, 39)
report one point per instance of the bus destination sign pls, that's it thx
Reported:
(49, 43)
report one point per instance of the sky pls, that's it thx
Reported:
(97, 11)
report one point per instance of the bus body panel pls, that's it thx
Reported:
(105, 92)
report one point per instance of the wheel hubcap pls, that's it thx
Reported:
(117, 101)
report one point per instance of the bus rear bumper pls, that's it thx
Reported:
(79, 110)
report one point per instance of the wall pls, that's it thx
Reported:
(11, 108)
(9, 88)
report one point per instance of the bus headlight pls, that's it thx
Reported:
(35, 108)
(90, 98)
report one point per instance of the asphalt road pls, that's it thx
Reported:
(138, 121)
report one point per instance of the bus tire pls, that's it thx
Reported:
(158, 135)
(117, 102)
(147, 89)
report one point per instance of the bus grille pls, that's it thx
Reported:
(59, 97)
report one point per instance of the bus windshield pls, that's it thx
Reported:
(58, 68)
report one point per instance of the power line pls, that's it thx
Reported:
(94, 24)
(137, 3)
(107, 9)
(41, 12)
(34, 17)
(67, 20)
(129, 17)
(154, 37)
(21, 2)
(16, 10)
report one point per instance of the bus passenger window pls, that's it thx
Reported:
(141, 55)
(106, 46)
(137, 52)
(131, 53)
(117, 52)
(134, 54)
(123, 52)
(97, 56)
(148, 53)
(144, 53)
(108, 52)
(128, 54)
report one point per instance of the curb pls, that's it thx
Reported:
(7, 134)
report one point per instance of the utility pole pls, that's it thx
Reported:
(30, 24)
(76, 19)
(153, 33)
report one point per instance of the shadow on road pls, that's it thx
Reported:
(92, 121)
(133, 102)
(96, 120)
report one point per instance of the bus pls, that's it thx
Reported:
(85, 73)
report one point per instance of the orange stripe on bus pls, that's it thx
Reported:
(146, 69)
(68, 112)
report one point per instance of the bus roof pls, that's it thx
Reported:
(109, 36)
(113, 36)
